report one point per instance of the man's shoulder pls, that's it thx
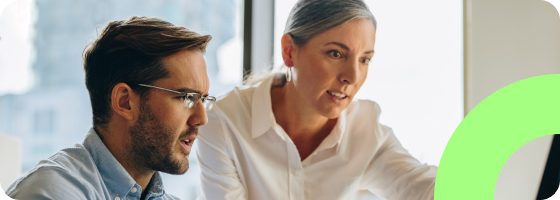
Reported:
(168, 196)
(76, 161)
(70, 173)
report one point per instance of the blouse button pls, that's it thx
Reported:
(133, 190)
(117, 198)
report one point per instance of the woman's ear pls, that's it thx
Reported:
(124, 101)
(288, 47)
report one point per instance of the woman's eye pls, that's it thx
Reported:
(335, 54)
(366, 60)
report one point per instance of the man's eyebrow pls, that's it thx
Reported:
(188, 90)
(346, 47)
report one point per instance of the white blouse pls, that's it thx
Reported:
(244, 154)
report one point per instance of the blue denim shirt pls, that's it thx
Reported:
(86, 171)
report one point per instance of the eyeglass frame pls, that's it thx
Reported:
(211, 100)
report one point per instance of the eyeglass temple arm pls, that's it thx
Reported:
(151, 86)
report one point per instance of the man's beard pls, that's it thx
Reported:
(153, 144)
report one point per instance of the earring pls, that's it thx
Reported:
(289, 74)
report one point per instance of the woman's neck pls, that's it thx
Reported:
(298, 119)
(304, 126)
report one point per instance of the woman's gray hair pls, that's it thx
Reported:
(312, 17)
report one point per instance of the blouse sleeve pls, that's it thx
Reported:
(219, 178)
(394, 174)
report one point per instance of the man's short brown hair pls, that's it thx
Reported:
(132, 51)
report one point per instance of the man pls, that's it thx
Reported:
(148, 87)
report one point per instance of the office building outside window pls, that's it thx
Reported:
(41, 46)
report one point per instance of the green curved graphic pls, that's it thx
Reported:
(492, 132)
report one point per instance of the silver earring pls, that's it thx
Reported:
(289, 74)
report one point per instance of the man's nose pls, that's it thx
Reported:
(198, 117)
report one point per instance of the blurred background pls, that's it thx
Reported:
(435, 60)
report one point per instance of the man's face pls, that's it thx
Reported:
(158, 139)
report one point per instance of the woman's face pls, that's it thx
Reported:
(332, 66)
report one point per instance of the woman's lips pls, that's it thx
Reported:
(337, 94)
(336, 97)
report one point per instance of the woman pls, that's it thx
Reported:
(301, 136)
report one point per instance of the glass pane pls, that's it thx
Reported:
(43, 99)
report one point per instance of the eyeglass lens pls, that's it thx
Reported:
(191, 100)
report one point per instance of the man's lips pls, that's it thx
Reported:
(189, 140)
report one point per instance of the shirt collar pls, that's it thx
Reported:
(155, 188)
(261, 109)
(116, 178)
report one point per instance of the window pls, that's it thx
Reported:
(416, 75)
(44, 122)
(41, 71)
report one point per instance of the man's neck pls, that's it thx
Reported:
(117, 141)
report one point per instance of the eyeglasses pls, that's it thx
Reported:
(190, 99)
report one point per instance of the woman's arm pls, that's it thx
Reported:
(394, 174)
(219, 178)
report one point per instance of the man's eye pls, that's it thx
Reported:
(186, 97)
(335, 54)
(192, 98)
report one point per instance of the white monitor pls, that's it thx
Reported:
(524, 177)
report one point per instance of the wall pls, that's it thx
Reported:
(10, 155)
(507, 41)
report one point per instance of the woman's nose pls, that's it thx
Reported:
(349, 74)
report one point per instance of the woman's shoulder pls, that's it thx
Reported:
(239, 102)
(237, 99)
(232, 109)
(363, 117)
(363, 107)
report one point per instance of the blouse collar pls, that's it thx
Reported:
(262, 117)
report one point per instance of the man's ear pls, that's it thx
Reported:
(125, 102)
(288, 47)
